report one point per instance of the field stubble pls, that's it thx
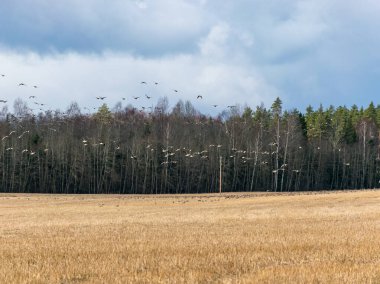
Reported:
(229, 238)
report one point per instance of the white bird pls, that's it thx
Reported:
(27, 131)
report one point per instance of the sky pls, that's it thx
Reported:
(245, 52)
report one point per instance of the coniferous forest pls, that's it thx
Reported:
(179, 150)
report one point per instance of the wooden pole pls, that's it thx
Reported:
(220, 174)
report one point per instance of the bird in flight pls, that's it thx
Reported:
(143, 82)
(100, 98)
(175, 91)
(2, 75)
(148, 97)
(3, 101)
(156, 83)
(135, 98)
(199, 97)
(21, 84)
(123, 99)
(35, 87)
(231, 106)
(214, 105)
(32, 97)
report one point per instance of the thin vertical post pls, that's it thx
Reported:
(220, 174)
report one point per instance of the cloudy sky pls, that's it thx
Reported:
(306, 52)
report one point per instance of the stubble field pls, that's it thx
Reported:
(330, 237)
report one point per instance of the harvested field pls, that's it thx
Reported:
(328, 237)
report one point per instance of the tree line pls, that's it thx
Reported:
(180, 150)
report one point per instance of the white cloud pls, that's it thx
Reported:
(141, 4)
(214, 45)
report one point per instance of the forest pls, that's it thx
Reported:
(179, 150)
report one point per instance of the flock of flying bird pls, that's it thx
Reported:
(169, 152)
(30, 97)
(149, 97)
(101, 98)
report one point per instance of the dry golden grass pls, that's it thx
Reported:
(229, 238)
